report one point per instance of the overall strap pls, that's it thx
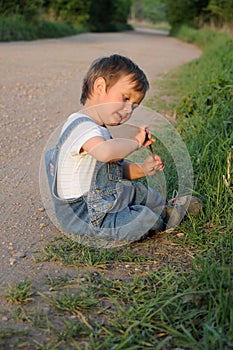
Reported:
(70, 128)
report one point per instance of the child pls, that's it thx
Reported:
(94, 191)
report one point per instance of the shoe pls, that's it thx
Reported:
(177, 208)
(191, 204)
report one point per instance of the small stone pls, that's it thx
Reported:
(19, 255)
(41, 209)
(180, 234)
(4, 318)
(13, 261)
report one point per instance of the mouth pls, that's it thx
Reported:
(123, 117)
(119, 119)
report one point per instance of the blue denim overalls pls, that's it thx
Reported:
(115, 211)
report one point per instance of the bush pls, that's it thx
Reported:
(184, 12)
(17, 28)
(108, 15)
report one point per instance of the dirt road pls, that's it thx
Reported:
(40, 86)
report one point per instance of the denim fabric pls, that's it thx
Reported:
(114, 209)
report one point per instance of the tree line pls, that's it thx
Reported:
(112, 15)
(101, 15)
(193, 13)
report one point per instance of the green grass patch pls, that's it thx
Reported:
(19, 293)
(66, 251)
(203, 105)
(155, 310)
(17, 28)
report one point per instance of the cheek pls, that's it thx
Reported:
(115, 107)
(108, 109)
(119, 106)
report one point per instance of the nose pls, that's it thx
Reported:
(129, 107)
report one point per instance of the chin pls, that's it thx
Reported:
(114, 124)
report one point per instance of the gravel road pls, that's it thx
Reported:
(40, 86)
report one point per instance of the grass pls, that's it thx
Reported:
(19, 293)
(168, 291)
(158, 310)
(203, 105)
(70, 253)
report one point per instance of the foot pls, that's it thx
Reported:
(178, 207)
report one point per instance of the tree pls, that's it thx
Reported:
(187, 12)
(151, 10)
(27, 8)
(109, 15)
(69, 10)
(220, 12)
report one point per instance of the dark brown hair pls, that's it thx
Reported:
(111, 69)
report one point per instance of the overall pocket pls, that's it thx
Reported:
(99, 203)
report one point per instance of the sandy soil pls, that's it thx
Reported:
(40, 86)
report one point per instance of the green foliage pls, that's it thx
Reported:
(109, 15)
(19, 293)
(220, 12)
(27, 8)
(206, 122)
(17, 28)
(198, 12)
(24, 20)
(202, 38)
(194, 13)
(151, 10)
(74, 11)
(182, 12)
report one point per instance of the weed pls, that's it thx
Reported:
(71, 302)
(57, 281)
(6, 336)
(19, 293)
(71, 253)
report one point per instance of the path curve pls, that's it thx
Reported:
(39, 87)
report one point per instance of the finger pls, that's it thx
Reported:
(148, 134)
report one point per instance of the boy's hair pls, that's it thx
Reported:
(112, 68)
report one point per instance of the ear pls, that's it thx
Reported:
(100, 86)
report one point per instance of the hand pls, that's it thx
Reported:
(144, 136)
(152, 164)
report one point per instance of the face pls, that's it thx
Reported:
(115, 106)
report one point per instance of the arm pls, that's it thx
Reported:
(110, 150)
(134, 171)
(115, 149)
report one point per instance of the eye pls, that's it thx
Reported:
(125, 98)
